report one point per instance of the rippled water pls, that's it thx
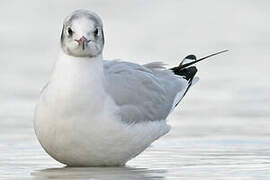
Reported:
(221, 129)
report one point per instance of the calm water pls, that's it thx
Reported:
(221, 130)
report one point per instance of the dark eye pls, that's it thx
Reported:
(70, 32)
(96, 32)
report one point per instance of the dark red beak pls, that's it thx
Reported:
(83, 42)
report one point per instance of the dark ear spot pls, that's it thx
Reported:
(102, 37)
(103, 41)
(62, 34)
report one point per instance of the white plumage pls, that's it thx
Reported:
(95, 112)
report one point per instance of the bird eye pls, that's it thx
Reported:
(96, 32)
(70, 32)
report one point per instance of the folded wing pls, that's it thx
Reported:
(143, 92)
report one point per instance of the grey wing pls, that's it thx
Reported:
(143, 93)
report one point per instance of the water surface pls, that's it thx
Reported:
(221, 129)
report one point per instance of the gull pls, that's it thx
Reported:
(95, 112)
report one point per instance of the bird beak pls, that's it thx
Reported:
(83, 42)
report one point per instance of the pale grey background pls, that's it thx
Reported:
(221, 129)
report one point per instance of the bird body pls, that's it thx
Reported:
(79, 122)
(95, 112)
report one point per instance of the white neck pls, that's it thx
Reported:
(78, 80)
(78, 68)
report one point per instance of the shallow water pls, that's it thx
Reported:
(221, 129)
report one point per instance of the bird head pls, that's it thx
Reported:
(82, 34)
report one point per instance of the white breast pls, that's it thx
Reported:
(78, 124)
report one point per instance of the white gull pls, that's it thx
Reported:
(94, 112)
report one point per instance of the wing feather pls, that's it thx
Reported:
(143, 93)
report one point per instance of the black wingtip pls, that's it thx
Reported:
(187, 73)
(193, 62)
(191, 56)
(188, 59)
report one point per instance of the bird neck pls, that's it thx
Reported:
(78, 67)
(76, 84)
(78, 74)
